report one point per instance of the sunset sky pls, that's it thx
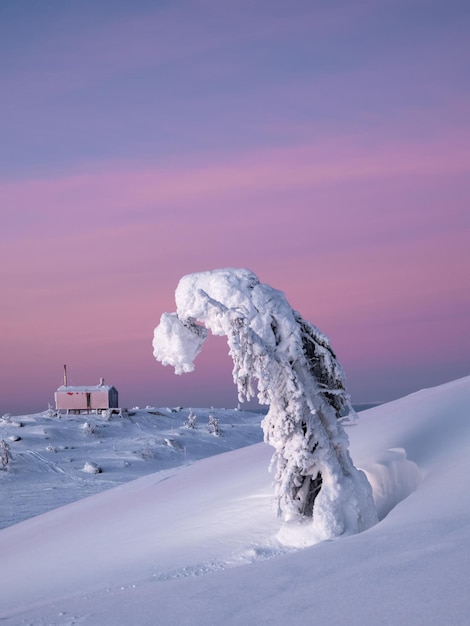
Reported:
(322, 144)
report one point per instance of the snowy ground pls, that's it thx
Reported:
(51, 457)
(198, 544)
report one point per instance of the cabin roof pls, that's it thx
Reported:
(84, 388)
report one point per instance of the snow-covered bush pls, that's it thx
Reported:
(8, 421)
(92, 468)
(5, 455)
(148, 452)
(89, 428)
(214, 425)
(289, 364)
(191, 420)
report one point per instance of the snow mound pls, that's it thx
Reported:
(393, 478)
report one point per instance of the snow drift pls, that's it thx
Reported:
(199, 546)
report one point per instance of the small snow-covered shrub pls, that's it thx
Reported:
(89, 428)
(148, 452)
(214, 425)
(92, 468)
(191, 421)
(6, 419)
(5, 455)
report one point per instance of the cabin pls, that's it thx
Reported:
(75, 399)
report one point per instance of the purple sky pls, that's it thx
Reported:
(323, 145)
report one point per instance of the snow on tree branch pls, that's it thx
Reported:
(289, 364)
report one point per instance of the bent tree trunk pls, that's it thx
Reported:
(289, 364)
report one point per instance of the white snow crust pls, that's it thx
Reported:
(198, 545)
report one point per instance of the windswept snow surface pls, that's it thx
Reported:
(199, 545)
(53, 457)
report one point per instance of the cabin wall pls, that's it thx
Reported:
(99, 399)
(86, 400)
(74, 400)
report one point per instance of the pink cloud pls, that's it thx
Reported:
(362, 241)
(128, 190)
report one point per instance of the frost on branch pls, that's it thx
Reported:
(289, 364)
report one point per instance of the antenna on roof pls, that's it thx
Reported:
(65, 376)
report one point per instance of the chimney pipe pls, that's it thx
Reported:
(65, 376)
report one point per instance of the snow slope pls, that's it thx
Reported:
(199, 545)
(49, 460)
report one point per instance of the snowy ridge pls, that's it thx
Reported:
(165, 549)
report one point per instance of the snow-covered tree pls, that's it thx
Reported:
(214, 425)
(289, 364)
(5, 455)
(191, 421)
